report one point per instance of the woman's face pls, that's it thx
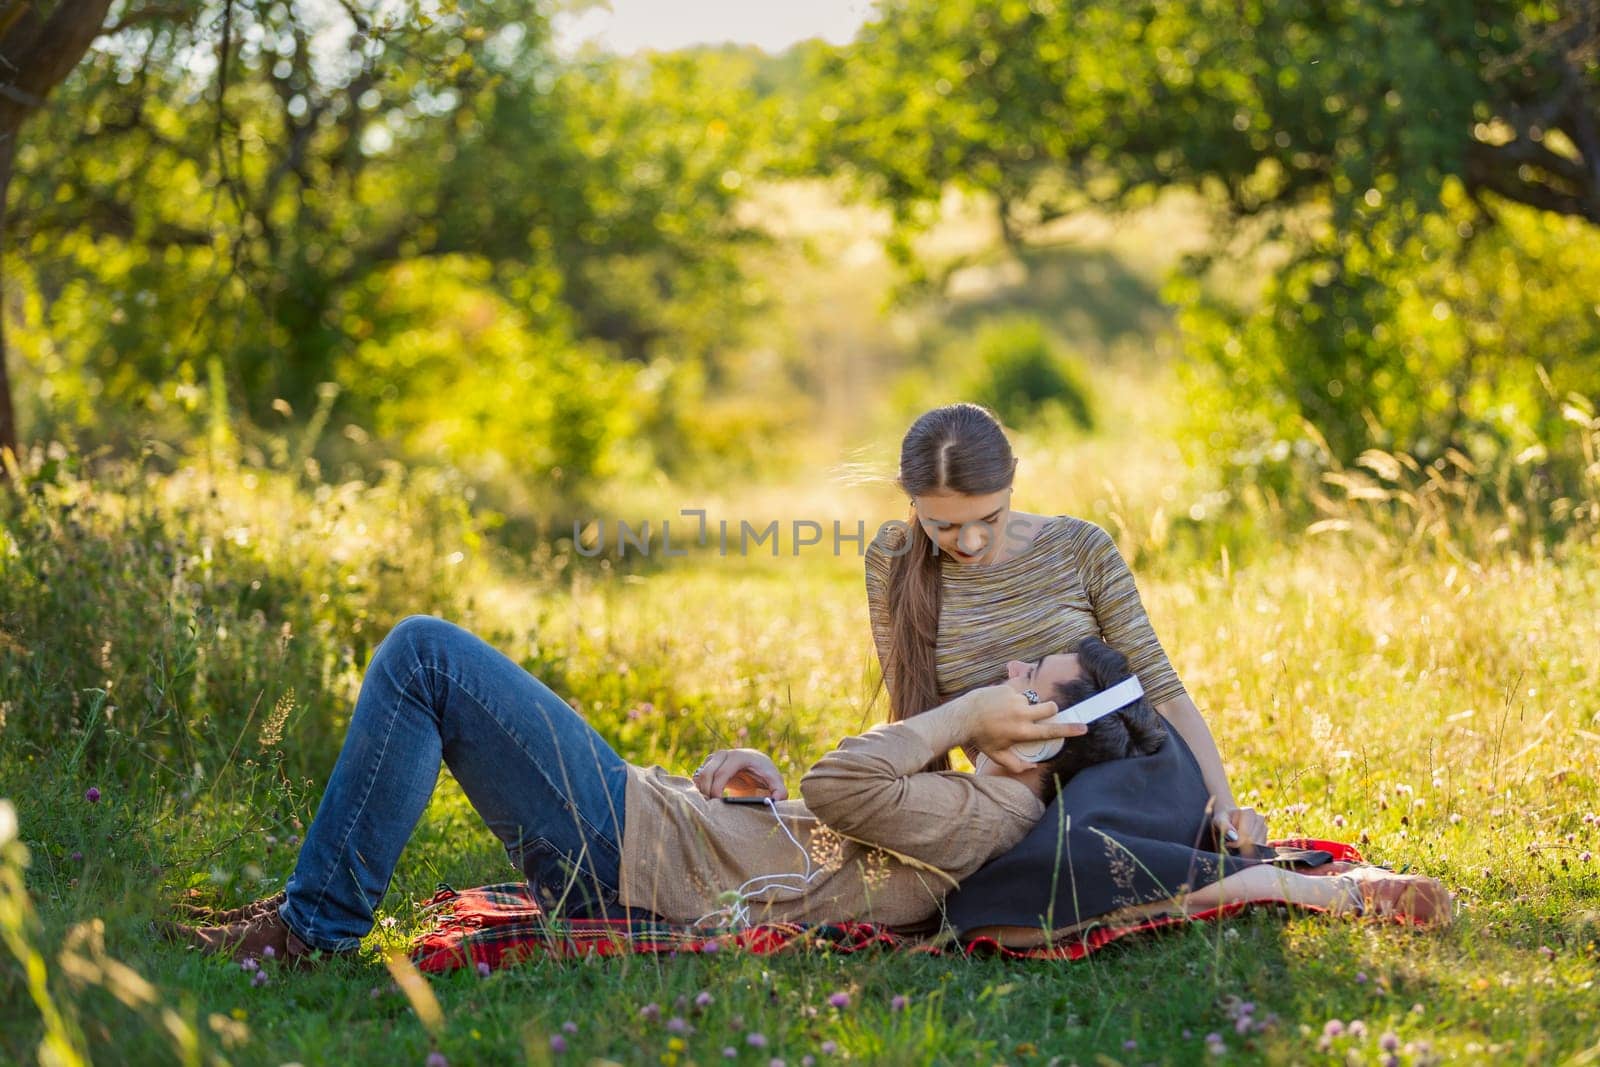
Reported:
(967, 528)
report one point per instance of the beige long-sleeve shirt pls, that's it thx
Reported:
(875, 838)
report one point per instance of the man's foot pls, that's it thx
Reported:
(203, 915)
(261, 936)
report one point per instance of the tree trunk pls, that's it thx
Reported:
(35, 55)
(8, 411)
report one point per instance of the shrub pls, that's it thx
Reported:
(1017, 369)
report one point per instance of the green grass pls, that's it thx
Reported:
(1440, 711)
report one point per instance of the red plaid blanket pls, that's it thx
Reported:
(498, 925)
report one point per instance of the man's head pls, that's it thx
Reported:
(1071, 678)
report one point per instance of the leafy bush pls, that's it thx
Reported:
(1468, 343)
(1014, 367)
(457, 372)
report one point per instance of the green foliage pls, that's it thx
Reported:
(1461, 334)
(1371, 149)
(1014, 367)
(461, 374)
(166, 221)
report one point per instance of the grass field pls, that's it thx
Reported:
(1441, 712)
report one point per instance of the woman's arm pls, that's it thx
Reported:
(876, 567)
(1126, 627)
(1187, 720)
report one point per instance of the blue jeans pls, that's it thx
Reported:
(545, 782)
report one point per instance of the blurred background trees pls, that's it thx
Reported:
(426, 229)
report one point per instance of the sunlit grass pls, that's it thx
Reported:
(1440, 713)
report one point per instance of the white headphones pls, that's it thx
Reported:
(1085, 711)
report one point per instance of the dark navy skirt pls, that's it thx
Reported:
(1129, 831)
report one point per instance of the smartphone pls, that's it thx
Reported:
(745, 800)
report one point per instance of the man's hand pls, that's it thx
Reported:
(741, 772)
(999, 716)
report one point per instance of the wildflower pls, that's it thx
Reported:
(840, 999)
(650, 1012)
(755, 1040)
(569, 1027)
(1338, 820)
(1215, 1045)
(374, 993)
(710, 948)
(776, 1062)
(249, 964)
(702, 1000)
(1361, 978)
(808, 1060)
(729, 1052)
(737, 1022)
(1586, 856)
(1391, 1060)
(436, 1059)
(1332, 1028)
(269, 952)
(483, 969)
(388, 922)
(558, 1044)
(259, 979)
(1358, 1029)
(828, 1048)
(676, 1025)
(1547, 952)
(77, 857)
(1129, 1045)
(898, 1002)
(1242, 1024)
(1388, 1042)
(92, 794)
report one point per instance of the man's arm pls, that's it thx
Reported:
(873, 788)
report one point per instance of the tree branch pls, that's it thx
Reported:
(36, 54)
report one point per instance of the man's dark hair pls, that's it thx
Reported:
(1136, 730)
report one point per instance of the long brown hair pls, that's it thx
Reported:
(959, 448)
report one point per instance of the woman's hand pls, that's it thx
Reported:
(999, 716)
(743, 772)
(1248, 828)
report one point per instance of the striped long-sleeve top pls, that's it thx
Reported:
(1070, 583)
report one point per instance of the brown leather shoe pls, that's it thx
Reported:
(204, 915)
(260, 937)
